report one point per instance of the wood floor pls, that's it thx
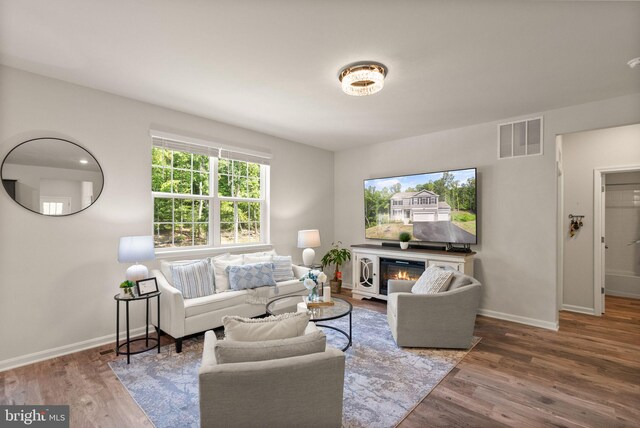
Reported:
(585, 375)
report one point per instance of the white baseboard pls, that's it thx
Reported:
(578, 309)
(24, 360)
(349, 286)
(520, 320)
(622, 294)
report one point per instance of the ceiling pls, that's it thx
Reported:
(52, 153)
(272, 66)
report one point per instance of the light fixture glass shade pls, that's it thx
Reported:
(362, 79)
(136, 249)
(309, 238)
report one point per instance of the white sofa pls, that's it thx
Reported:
(180, 317)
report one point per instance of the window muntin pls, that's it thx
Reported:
(206, 201)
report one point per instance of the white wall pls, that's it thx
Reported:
(58, 275)
(516, 258)
(582, 153)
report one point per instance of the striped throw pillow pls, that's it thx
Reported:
(433, 280)
(193, 279)
(282, 269)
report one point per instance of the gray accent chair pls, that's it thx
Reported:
(302, 391)
(441, 320)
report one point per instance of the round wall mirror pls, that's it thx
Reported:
(52, 176)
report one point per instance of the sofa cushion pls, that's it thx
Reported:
(233, 351)
(249, 276)
(458, 280)
(282, 268)
(220, 264)
(193, 279)
(214, 302)
(433, 280)
(270, 328)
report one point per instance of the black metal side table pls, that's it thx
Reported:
(146, 338)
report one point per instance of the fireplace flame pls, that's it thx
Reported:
(404, 275)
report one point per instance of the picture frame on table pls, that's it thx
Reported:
(146, 286)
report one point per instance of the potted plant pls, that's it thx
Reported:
(336, 256)
(404, 238)
(126, 289)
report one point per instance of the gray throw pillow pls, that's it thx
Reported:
(233, 351)
(270, 328)
(459, 280)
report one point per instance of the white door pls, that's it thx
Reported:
(55, 205)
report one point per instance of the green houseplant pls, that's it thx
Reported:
(404, 238)
(126, 288)
(336, 256)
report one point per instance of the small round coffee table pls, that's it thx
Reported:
(341, 308)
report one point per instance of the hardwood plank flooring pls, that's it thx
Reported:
(585, 375)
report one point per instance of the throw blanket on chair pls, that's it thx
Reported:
(260, 296)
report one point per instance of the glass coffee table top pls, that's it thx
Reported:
(341, 308)
(289, 304)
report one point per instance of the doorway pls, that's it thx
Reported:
(616, 233)
(587, 162)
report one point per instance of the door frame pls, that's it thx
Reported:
(598, 230)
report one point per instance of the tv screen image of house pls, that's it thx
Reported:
(432, 207)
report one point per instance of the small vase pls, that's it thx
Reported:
(126, 293)
(313, 294)
(404, 245)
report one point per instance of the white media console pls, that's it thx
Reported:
(373, 265)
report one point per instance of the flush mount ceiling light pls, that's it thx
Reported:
(634, 62)
(362, 78)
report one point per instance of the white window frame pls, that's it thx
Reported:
(215, 200)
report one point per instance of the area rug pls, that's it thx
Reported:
(382, 381)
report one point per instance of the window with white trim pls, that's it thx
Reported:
(205, 196)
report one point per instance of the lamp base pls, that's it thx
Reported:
(307, 256)
(137, 272)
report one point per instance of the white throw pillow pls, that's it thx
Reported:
(220, 264)
(282, 268)
(165, 268)
(249, 259)
(270, 328)
(193, 279)
(433, 280)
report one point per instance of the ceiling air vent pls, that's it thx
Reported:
(520, 138)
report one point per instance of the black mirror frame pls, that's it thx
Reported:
(59, 139)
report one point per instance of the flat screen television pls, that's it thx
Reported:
(434, 207)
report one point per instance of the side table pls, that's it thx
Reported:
(146, 338)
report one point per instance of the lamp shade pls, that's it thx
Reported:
(308, 238)
(134, 249)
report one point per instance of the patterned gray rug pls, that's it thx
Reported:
(382, 381)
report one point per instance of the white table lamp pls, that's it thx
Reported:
(135, 249)
(308, 239)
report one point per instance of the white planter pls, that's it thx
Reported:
(404, 245)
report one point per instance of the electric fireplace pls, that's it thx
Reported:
(398, 269)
